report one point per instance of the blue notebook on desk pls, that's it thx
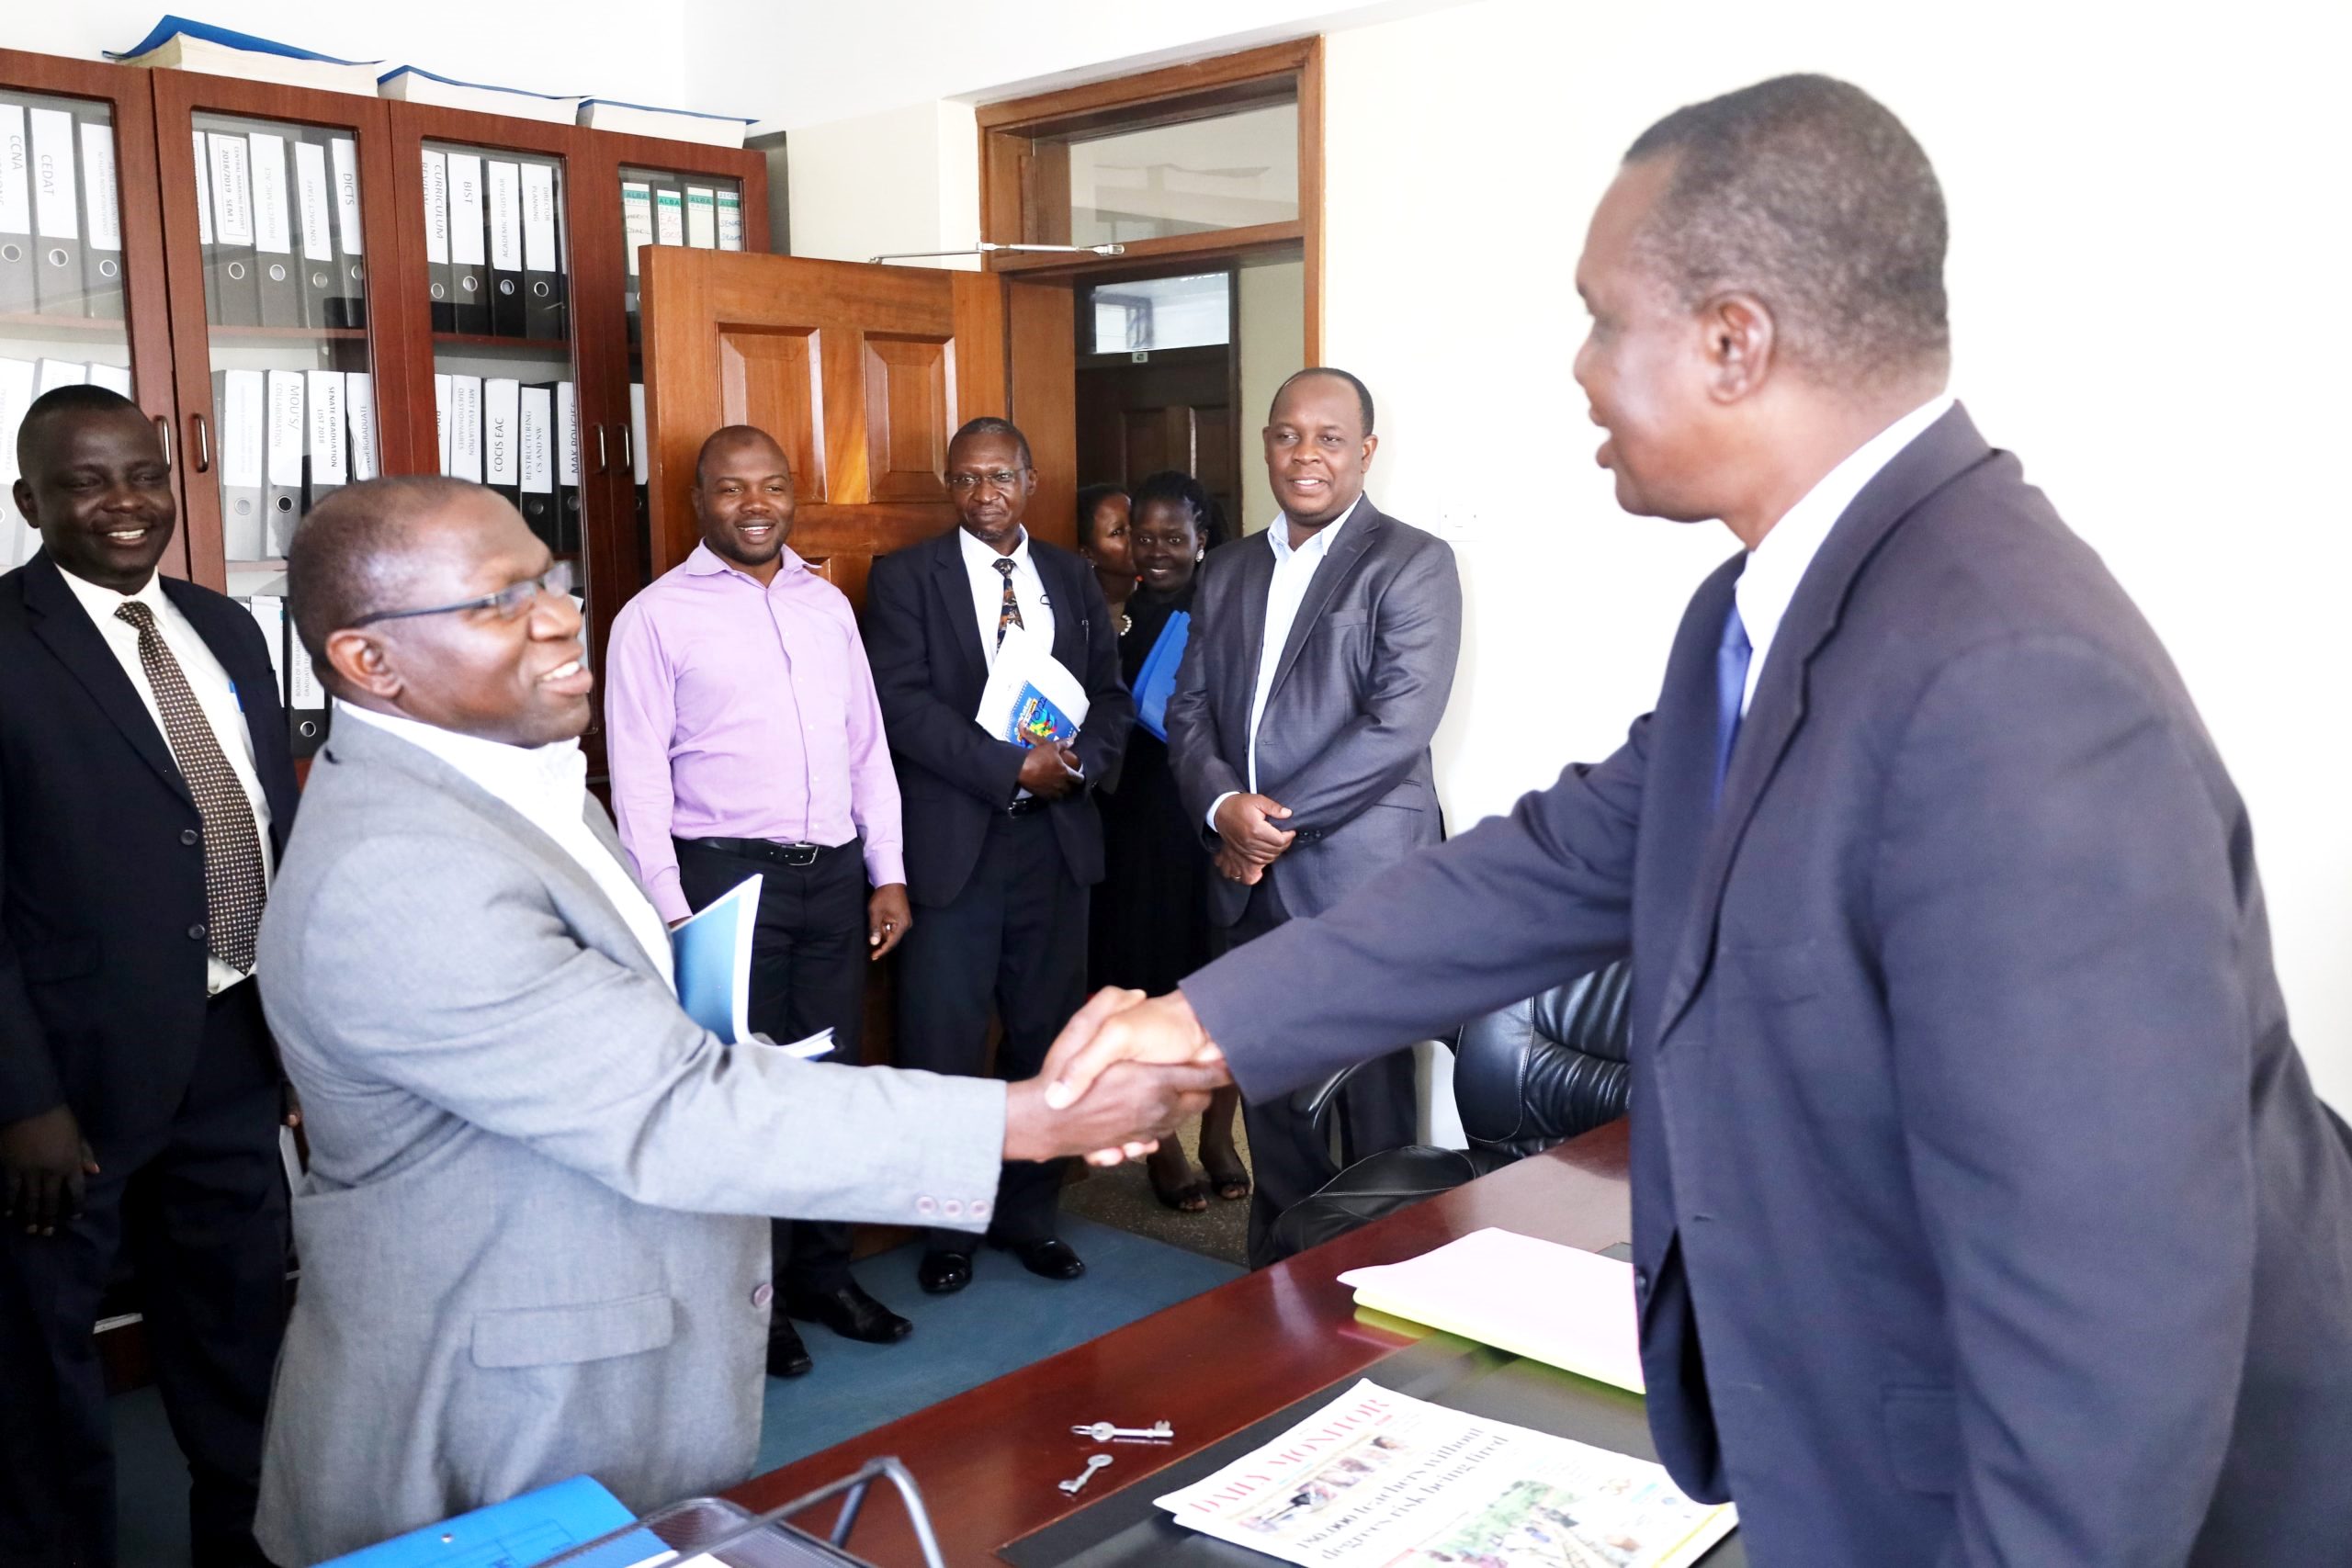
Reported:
(518, 1533)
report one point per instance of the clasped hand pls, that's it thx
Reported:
(1124, 1071)
(1248, 840)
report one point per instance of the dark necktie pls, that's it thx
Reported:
(1730, 689)
(234, 889)
(1008, 615)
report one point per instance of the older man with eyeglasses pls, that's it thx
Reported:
(534, 1233)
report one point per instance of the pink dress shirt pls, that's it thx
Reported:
(734, 711)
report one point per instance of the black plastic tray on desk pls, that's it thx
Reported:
(1125, 1529)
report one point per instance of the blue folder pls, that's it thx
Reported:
(1156, 682)
(518, 1533)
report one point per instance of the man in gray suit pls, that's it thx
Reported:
(1983, 1210)
(533, 1236)
(1319, 666)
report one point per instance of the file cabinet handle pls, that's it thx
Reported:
(203, 443)
(164, 435)
(602, 465)
(628, 456)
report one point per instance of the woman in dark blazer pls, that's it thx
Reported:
(1150, 924)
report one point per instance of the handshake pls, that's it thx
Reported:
(1123, 1072)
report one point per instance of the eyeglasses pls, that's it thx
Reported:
(512, 603)
(1003, 479)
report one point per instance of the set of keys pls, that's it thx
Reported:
(1104, 1432)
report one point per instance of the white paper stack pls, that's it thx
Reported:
(675, 125)
(413, 85)
(178, 43)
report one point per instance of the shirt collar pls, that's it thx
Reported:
(703, 561)
(1769, 582)
(981, 557)
(1320, 545)
(102, 602)
(546, 784)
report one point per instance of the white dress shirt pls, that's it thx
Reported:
(1778, 564)
(987, 590)
(548, 785)
(216, 695)
(1293, 569)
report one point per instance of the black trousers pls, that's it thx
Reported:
(807, 971)
(200, 1207)
(1287, 1161)
(1014, 939)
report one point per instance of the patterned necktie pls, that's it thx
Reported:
(1010, 614)
(234, 889)
(1731, 691)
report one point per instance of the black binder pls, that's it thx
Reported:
(314, 234)
(326, 462)
(507, 301)
(348, 307)
(57, 219)
(282, 474)
(469, 231)
(274, 269)
(439, 283)
(237, 296)
(17, 294)
(567, 466)
(545, 306)
(537, 471)
(502, 438)
(101, 221)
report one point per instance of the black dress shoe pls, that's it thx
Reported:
(1050, 1259)
(944, 1274)
(849, 1312)
(788, 1358)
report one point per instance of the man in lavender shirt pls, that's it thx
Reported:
(744, 738)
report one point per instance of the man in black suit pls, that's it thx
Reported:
(1321, 657)
(1982, 1212)
(145, 792)
(1003, 842)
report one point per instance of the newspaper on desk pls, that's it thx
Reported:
(1379, 1480)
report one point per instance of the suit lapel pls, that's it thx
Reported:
(954, 584)
(1067, 599)
(1941, 453)
(1355, 537)
(60, 622)
(1253, 585)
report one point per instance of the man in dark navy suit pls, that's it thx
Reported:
(145, 792)
(1983, 1212)
(1003, 842)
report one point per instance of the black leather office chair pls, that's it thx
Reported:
(1533, 1075)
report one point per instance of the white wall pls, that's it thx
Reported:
(602, 47)
(2145, 222)
(905, 180)
(1273, 345)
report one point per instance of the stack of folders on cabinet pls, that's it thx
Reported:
(494, 246)
(277, 215)
(288, 439)
(61, 224)
(22, 381)
(522, 439)
(661, 210)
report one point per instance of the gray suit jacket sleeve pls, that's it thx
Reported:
(2056, 921)
(1516, 904)
(1202, 772)
(1417, 638)
(514, 1026)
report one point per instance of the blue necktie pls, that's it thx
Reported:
(1731, 688)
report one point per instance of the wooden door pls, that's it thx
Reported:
(861, 373)
(1170, 410)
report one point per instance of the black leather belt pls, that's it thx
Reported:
(767, 850)
(1024, 807)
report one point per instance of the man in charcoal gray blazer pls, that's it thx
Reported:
(534, 1233)
(1319, 662)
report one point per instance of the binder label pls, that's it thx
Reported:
(464, 210)
(636, 219)
(566, 420)
(347, 195)
(465, 427)
(505, 216)
(441, 418)
(310, 186)
(538, 466)
(436, 208)
(98, 200)
(359, 395)
(538, 217)
(669, 217)
(273, 226)
(286, 429)
(203, 193)
(501, 412)
(16, 172)
(53, 171)
(730, 221)
(233, 202)
(241, 430)
(327, 461)
(702, 218)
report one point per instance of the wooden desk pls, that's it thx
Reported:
(987, 1460)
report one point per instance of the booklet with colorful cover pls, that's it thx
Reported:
(1030, 699)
